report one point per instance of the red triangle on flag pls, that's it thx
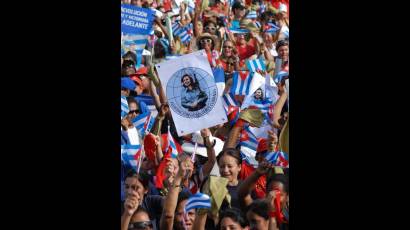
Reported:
(243, 75)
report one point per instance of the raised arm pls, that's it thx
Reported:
(210, 151)
(245, 189)
(170, 204)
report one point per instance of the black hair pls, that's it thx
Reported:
(281, 43)
(259, 207)
(190, 78)
(131, 99)
(130, 56)
(184, 195)
(233, 152)
(235, 214)
(142, 177)
(281, 178)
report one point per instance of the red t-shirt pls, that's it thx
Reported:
(245, 52)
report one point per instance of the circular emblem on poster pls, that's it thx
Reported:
(192, 92)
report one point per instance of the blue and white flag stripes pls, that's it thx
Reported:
(149, 101)
(256, 64)
(183, 32)
(278, 158)
(251, 15)
(124, 106)
(280, 76)
(248, 139)
(219, 76)
(171, 145)
(271, 28)
(228, 100)
(143, 123)
(249, 145)
(238, 30)
(135, 42)
(131, 154)
(241, 86)
(198, 200)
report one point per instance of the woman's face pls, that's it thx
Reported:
(133, 187)
(200, 27)
(210, 28)
(186, 81)
(279, 186)
(228, 49)
(206, 43)
(229, 167)
(257, 222)
(228, 224)
(258, 94)
(267, 38)
(283, 52)
(240, 38)
(189, 218)
(239, 13)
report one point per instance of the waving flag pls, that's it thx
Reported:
(183, 32)
(143, 123)
(252, 15)
(280, 76)
(198, 200)
(271, 28)
(241, 82)
(238, 30)
(249, 144)
(256, 64)
(124, 106)
(170, 146)
(149, 101)
(219, 76)
(278, 158)
(135, 42)
(131, 155)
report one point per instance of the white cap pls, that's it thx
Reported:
(283, 8)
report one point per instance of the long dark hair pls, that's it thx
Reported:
(194, 81)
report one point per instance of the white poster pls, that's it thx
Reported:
(192, 92)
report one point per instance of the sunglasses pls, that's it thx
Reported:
(133, 111)
(139, 225)
(228, 47)
(210, 28)
(206, 40)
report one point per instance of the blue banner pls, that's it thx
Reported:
(136, 20)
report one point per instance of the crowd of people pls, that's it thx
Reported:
(246, 191)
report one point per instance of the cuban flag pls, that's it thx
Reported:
(241, 82)
(124, 106)
(219, 76)
(280, 76)
(278, 158)
(198, 200)
(252, 15)
(256, 64)
(171, 146)
(249, 145)
(131, 155)
(149, 101)
(271, 28)
(183, 32)
(143, 123)
(258, 24)
(137, 42)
